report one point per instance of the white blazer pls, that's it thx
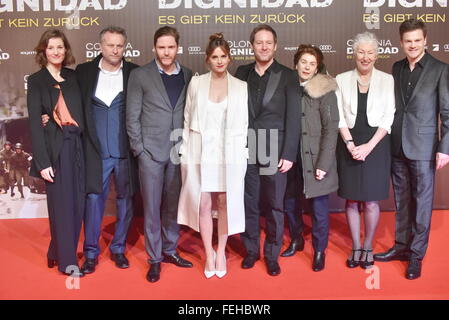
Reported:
(380, 104)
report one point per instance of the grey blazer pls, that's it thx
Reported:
(150, 118)
(415, 124)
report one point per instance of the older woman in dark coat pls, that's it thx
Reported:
(316, 171)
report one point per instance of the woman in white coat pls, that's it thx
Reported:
(214, 154)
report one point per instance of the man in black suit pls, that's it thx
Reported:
(418, 147)
(274, 114)
(103, 84)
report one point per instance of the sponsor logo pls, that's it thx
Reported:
(195, 50)
(385, 50)
(27, 53)
(25, 81)
(93, 49)
(446, 47)
(4, 55)
(241, 49)
(435, 47)
(326, 48)
(180, 50)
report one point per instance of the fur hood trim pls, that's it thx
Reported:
(319, 85)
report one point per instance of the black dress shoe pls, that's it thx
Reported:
(120, 260)
(414, 269)
(51, 262)
(177, 261)
(392, 254)
(273, 268)
(154, 274)
(89, 266)
(295, 245)
(249, 261)
(318, 261)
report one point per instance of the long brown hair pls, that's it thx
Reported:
(41, 57)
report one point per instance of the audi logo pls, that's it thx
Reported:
(194, 49)
(325, 47)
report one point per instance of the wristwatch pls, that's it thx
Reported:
(347, 141)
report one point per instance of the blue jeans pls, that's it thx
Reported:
(95, 205)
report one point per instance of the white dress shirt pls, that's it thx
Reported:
(110, 84)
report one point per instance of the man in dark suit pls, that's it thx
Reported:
(418, 146)
(155, 109)
(274, 114)
(103, 84)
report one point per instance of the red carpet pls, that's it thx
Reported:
(24, 274)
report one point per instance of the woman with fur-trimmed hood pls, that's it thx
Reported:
(316, 170)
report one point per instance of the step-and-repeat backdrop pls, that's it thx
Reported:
(328, 24)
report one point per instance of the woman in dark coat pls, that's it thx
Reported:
(57, 148)
(316, 171)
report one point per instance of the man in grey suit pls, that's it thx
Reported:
(418, 147)
(155, 108)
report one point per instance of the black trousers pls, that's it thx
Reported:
(272, 189)
(413, 185)
(66, 200)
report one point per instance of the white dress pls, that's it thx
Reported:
(213, 171)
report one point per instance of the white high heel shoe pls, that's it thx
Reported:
(211, 273)
(221, 273)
